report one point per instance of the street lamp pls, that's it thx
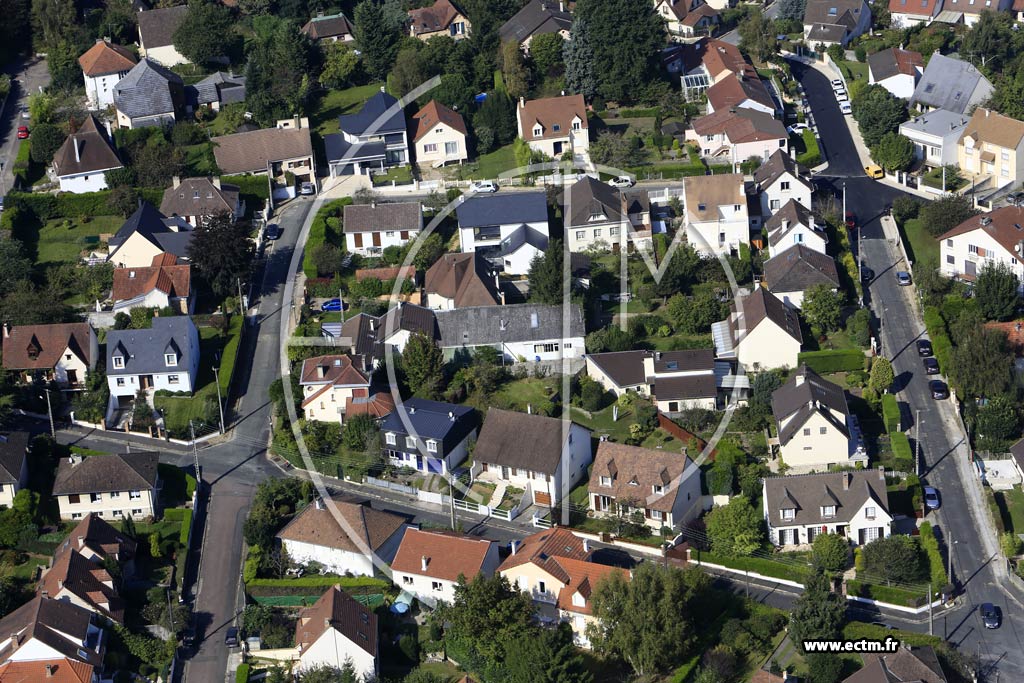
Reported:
(49, 411)
(220, 404)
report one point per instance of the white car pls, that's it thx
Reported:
(838, 85)
(798, 128)
(622, 182)
(845, 108)
(486, 186)
(842, 97)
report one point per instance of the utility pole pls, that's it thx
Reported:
(220, 404)
(930, 621)
(195, 453)
(451, 498)
(952, 547)
(49, 411)
(917, 442)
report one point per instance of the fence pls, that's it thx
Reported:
(680, 433)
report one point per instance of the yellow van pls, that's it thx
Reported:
(874, 171)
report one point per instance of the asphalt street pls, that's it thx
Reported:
(27, 77)
(942, 444)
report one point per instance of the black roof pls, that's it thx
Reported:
(375, 107)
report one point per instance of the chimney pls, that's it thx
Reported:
(561, 6)
(451, 415)
(81, 541)
(7, 330)
(881, 472)
(78, 155)
(319, 504)
(175, 182)
(327, 622)
(382, 88)
(60, 584)
(846, 481)
(529, 409)
(522, 102)
(798, 379)
(514, 545)
(216, 181)
(586, 545)
(986, 113)
(424, 561)
(49, 670)
(785, 224)
(321, 370)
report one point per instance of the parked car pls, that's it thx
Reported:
(332, 305)
(231, 636)
(924, 347)
(307, 188)
(1015, 198)
(838, 84)
(845, 108)
(939, 390)
(622, 182)
(874, 171)
(797, 128)
(931, 366)
(931, 498)
(903, 278)
(866, 274)
(991, 615)
(486, 186)
(272, 232)
(22, 132)
(25, 113)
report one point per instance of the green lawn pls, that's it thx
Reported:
(1010, 505)
(337, 102)
(855, 70)
(492, 164)
(198, 159)
(62, 240)
(922, 247)
(399, 174)
(520, 393)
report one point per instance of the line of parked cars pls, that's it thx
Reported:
(839, 88)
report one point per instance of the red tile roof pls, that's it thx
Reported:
(335, 369)
(61, 670)
(917, 8)
(432, 19)
(173, 280)
(106, 58)
(551, 112)
(336, 609)
(432, 114)
(381, 404)
(38, 347)
(583, 578)
(448, 556)
(543, 547)
(72, 572)
(384, 274)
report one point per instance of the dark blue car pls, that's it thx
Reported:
(332, 305)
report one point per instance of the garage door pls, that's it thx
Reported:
(542, 498)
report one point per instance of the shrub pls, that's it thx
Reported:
(901, 450)
(890, 413)
(843, 360)
(242, 673)
(186, 526)
(936, 569)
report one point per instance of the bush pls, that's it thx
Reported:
(843, 360)
(256, 186)
(322, 582)
(186, 526)
(904, 208)
(901, 451)
(812, 156)
(930, 545)
(322, 231)
(242, 673)
(890, 413)
(942, 347)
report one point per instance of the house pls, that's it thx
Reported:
(554, 126)
(745, 91)
(1018, 10)
(13, 466)
(761, 333)
(705, 62)
(216, 91)
(58, 670)
(161, 285)
(717, 218)
(109, 486)
(687, 18)
(150, 95)
(992, 146)
(953, 11)
(197, 199)
(378, 405)
(509, 230)
(793, 225)
(701, 21)
(268, 151)
(328, 382)
(103, 65)
(439, 135)
(429, 563)
(853, 504)
(790, 274)
(897, 70)
(73, 578)
(429, 436)
(45, 629)
(368, 339)
(164, 356)
(815, 426)
(987, 239)
(156, 34)
(315, 535)
(330, 28)
(674, 380)
(545, 456)
(82, 161)
(780, 180)
(458, 280)
(372, 228)
(738, 134)
(520, 332)
(148, 235)
(63, 353)
(662, 485)
(98, 541)
(910, 664)
(910, 13)
(835, 22)
(951, 84)
(337, 630)
(371, 140)
(536, 18)
(601, 217)
(936, 136)
(440, 19)
(554, 568)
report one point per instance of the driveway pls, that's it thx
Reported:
(944, 453)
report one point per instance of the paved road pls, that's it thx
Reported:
(944, 453)
(27, 77)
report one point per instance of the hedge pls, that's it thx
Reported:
(942, 347)
(322, 582)
(888, 594)
(936, 566)
(901, 447)
(242, 673)
(758, 565)
(841, 360)
(890, 413)
(22, 161)
(318, 233)
(229, 354)
(255, 185)
(859, 630)
(812, 156)
(186, 527)
(67, 205)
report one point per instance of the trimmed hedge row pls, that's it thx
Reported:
(318, 232)
(889, 594)
(812, 156)
(858, 630)
(67, 205)
(942, 346)
(890, 413)
(242, 673)
(901, 447)
(936, 567)
(186, 526)
(229, 354)
(840, 360)
(759, 565)
(322, 582)
(255, 185)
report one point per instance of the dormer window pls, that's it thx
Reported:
(578, 600)
(828, 511)
(870, 512)
(576, 125)
(606, 481)
(537, 131)
(788, 513)
(432, 446)
(170, 359)
(390, 438)
(557, 127)
(658, 488)
(118, 361)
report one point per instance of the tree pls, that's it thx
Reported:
(547, 656)
(378, 37)
(735, 529)
(611, 338)
(578, 55)
(615, 149)
(792, 9)
(996, 291)
(894, 152)
(758, 37)
(762, 387)
(696, 314)
(277, 73)
(487, 614)
(546, 277)
(824, 668)
(430, 251)
(831, 552)
(46, 140)
(14, 266)
(497, 114)
(878, 112)
(546, 53)
(997, 422)
(894, 558)
(221, 252)
(340, 62)
(981, 363)
(325, 673)
(622, 59)
(423, 364)
(858, 326)
(513, 70)
(942, 215)
(991, 40)
(359, 433)
(202, 35)
(647, 621)
(123, 200)
(157, 162)
(822, 307)
(836, 52)
(53, 21)
(882, 375)
(818, 613)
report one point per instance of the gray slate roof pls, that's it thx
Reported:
(143, 350)
(810, 491)
(826, 33)
(105, 473)
(951, 84)
(220, 87)
(803, 395)
(532, 442)
(157, 27)
(590, 197)
(148, 90)
(380, 217)
(535, 18)
(55, 623)
(482, 325)
(155, 227)
(13, 446)
(429, 419)
(793, 211)
(365, 121)
(524, 234)
(502, 209)
(337, 148)
(799, 268)
(938, 122)
(845, 13)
